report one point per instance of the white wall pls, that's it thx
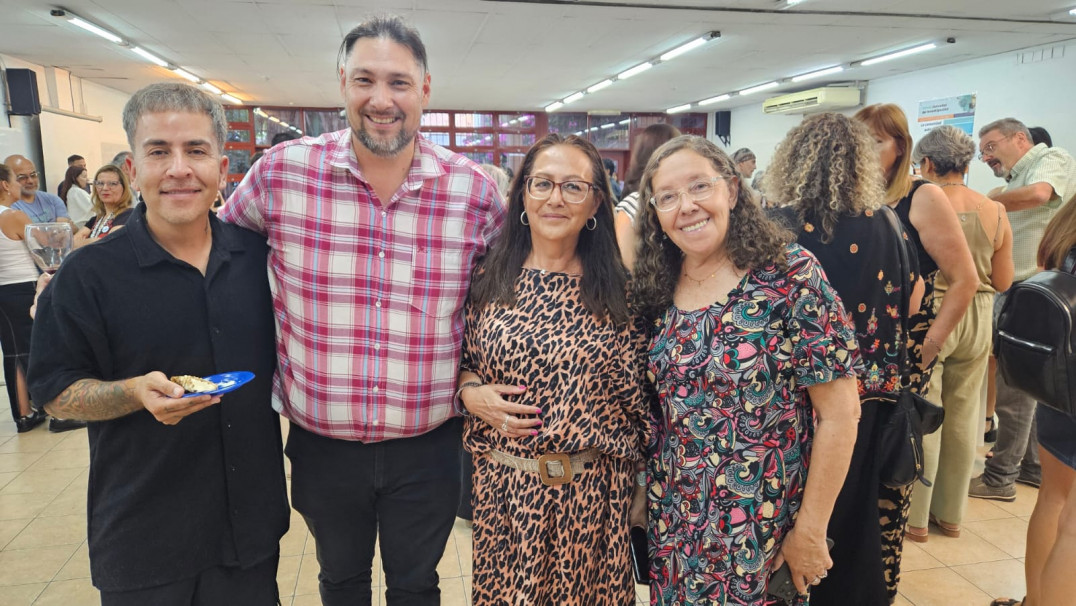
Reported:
(62, 136)
(1036, 86)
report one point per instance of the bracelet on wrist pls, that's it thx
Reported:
(458, 402)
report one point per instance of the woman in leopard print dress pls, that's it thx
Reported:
(550, 375)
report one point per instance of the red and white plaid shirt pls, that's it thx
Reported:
(368, 297)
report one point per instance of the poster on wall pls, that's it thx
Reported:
(955, 111)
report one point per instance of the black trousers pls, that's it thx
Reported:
(15, 327)
(218, 586)
(404, 490)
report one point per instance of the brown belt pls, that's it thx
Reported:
(553, 468)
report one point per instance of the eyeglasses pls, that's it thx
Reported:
(988, 149)
(669, 199)
(22, 178)
(103, 184)
(571, 191)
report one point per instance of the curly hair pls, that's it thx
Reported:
(950, 150)
(826, 167)
(752, 240)
(888, 119)
(605, 278)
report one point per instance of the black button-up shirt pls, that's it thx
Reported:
(167, 502)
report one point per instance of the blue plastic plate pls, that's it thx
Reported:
(226, 381)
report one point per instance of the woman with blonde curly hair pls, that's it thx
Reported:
(744, 326)
(827, 180)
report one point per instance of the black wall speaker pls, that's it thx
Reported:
(723, 125)
(22, 92)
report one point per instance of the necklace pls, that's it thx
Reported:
(950, 184)
(709, 277)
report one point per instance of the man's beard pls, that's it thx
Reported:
(382, 147)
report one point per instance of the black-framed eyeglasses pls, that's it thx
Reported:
(572, 191)
(988, 149)
(21, 178)
(668, 200)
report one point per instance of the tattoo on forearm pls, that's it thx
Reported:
(92, 400)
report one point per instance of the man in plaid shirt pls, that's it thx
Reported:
(373, 233)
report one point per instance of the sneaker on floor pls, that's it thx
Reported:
(1029, 480)
(61, 425)
(981, 490)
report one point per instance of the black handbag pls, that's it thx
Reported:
(909, 416)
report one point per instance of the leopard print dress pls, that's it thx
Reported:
(566, 545)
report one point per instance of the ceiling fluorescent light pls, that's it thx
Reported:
(716, 99)
(638, 69)
(182, 73)
(285, 124)
(609, 125)
(148, 56)
(231, 99)
(759, 88)
(818, 74)
(787, 4)
(1072, 12)
(274, 119)
(899, 54)
(86, 25)
(209, 87)
(678, 109)
(573, 97)
(578, 133)
(624, 121)
(554, 106)
(597, 87)
(676, 52)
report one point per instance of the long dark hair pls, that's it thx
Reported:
(752, 240)
(604, 281)
(652, 137)
(70, 180)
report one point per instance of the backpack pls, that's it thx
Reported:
(1035, 343)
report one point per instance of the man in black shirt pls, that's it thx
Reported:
(187, 498)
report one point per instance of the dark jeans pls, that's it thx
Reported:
(218, 586)
(15, 326)
(406, 490)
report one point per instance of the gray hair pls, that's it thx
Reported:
(174, 97)
(742, 155)
(499, 177)
(120, 158)
(390, 27)
(1007, 127)
(949, 149)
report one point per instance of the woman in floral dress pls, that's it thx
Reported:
(753, 358)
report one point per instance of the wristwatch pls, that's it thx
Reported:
(640, 479)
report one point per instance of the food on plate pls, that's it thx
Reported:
(192, 384)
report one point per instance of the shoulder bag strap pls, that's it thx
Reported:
(905, 264)
(1069, 265)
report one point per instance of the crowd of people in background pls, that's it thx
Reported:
(693, 353)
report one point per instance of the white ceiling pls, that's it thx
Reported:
(524, 54)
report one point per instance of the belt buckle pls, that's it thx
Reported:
(546, 460)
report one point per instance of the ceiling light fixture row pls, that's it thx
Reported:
(836, 69)
(632, 71)
(77, 21)
(260, 112)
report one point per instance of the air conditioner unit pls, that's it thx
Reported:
(827, 98)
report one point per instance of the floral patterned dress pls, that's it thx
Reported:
(729, 454)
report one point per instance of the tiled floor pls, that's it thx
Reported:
(44, 562)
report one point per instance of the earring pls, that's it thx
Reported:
(594, 226)
(523, 218)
